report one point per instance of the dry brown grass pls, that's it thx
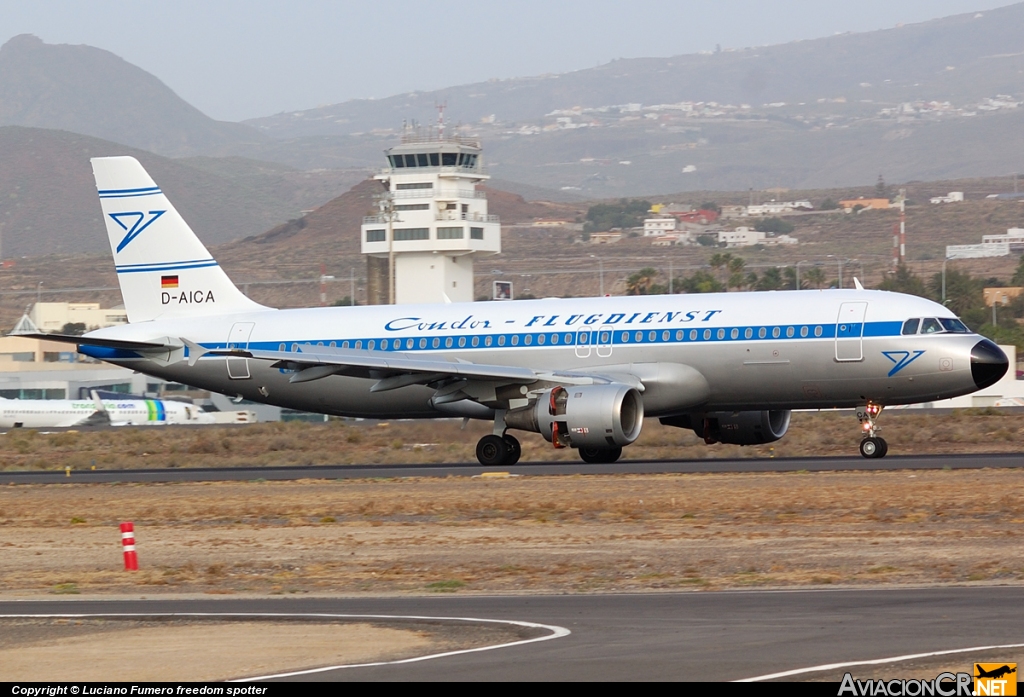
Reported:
(528, 534)
(341, 442)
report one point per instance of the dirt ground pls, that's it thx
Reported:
(445, 440)
(152, 651)
(572, 534)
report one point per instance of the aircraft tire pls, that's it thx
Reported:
(885, 447)
(492, 451)
(873, 447)
(600, 456)
(515, 450)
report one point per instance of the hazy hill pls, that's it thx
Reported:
(913, 102)
(88, 90)
(964, 57)
(48, 200)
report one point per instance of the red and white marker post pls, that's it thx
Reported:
(131, 560)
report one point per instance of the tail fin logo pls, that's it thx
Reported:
(133, 223)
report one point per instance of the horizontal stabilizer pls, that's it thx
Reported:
(106, 343)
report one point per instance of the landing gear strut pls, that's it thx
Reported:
(872, 446)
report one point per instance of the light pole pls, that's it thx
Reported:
(839, 262)
(944, 280)
(39, 293)
(600, 265)
(386, 204)
(802, 261)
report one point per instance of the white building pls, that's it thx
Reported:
(656, 227)
(439, 220)
(51, 317)
(748, 237)
(951, 197)
(778, 208)
(1014, 238)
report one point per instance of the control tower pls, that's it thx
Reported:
(432, 221)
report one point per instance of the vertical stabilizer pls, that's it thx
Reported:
(162, 267)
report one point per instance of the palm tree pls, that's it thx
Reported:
(815, 277)
(640, 282)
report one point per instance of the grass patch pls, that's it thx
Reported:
(448, 586)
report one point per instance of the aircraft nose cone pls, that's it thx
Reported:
(988, 363)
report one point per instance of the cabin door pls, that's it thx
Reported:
(238, 337)
(850, 331)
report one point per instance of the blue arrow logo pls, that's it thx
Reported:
(902, 359)
(133, 222)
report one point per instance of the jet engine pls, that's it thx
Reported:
(735, 427)
(593, 416)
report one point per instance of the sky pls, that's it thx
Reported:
(240, 59)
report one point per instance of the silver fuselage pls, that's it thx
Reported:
(774, 350)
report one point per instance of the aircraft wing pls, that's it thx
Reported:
(315, 362)
(452, 380)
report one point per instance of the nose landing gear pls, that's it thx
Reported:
(872, 446)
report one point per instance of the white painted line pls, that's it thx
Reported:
(877, 661)
(556, 632)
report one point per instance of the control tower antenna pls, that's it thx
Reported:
(440, 119)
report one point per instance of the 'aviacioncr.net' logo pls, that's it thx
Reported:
(133, 223)
(995, 679)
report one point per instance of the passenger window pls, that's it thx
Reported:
(930, 325)
(910, 326)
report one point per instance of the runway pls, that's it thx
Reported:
(797, 464)
(711, 636)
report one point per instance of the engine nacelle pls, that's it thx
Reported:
(596, 416)
(735, 427)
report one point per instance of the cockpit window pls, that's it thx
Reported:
(933, 325)
(954, 325)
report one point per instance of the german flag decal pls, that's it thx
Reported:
(168, 281)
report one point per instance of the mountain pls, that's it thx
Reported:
(48, 203)
(91, 91)
(938, 99)
(964, 57)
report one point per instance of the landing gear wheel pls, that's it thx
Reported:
(600, 456)
(515, 450)
(873, 447)
(492, 451)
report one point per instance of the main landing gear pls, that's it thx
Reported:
(497, 451)
(872, 446)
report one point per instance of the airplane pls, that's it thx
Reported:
(68, 413)
(581, 372)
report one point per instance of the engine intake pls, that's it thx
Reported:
(735, 427)
(597, 416)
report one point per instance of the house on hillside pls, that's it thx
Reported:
(662, 225)
(877, 204)
(748, 237)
